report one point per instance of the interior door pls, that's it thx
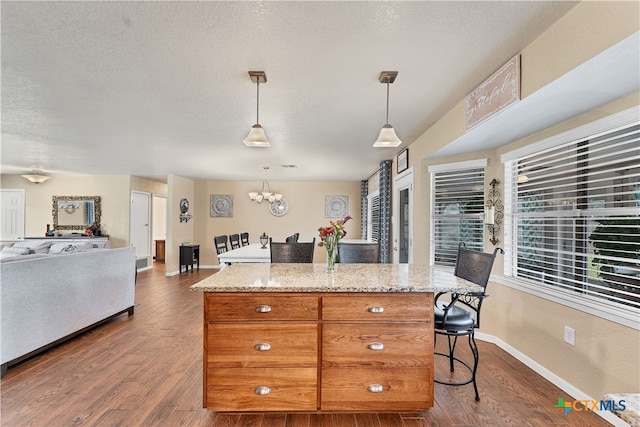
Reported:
(12, 214)
(140, 233)
(403, 218)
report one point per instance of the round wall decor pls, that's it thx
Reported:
(279, 207)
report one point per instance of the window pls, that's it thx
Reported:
(457, 209)
(573, 209)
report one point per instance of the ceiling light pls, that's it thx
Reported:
(387, 137)
(257, 137)
(264, 194)
(36, 177)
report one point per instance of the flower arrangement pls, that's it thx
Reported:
(329, 238)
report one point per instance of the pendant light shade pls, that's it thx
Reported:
(387, 137)
(36, 177)
(257, 137)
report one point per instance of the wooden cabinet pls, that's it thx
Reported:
(318, 352)
(261, 352)
(377, 352)
(189, 255)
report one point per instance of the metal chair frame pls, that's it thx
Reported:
(358, 253)
(476, 267)
(292, 252)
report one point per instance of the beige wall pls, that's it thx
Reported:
(606, 356)
(306, 212)
(112, 189)
(179, 232)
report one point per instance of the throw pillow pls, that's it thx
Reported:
(13, 251)
(34, 246)
(58, 248)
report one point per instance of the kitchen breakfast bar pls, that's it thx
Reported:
(291, 337)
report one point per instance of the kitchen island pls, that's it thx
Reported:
(290, 337)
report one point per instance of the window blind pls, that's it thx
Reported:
(374, 220)
(575, 212)
(458, 212)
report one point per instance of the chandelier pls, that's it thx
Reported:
(265, 194)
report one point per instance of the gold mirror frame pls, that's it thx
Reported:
(97, 211)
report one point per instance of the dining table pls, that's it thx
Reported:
(253, 252)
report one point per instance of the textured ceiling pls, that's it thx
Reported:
(157, 88)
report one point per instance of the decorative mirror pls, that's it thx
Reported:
(76, 212)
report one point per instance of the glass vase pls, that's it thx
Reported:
(332, 252)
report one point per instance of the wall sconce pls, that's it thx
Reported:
(493, 211)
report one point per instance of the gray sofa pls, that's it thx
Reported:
(47, 298)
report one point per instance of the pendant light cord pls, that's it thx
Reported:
(387, 122)
(258, 100)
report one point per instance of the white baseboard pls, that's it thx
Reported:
(550, 376)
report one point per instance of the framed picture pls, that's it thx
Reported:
(222, 205)
(403, 160)
(335, 206)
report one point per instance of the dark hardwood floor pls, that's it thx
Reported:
(146, 370)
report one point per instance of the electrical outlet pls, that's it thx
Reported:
(569, 336)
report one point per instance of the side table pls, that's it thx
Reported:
(189, 254)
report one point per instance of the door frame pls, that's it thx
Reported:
(148, 221)
(401, 182)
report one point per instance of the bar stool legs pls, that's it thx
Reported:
(452, 340)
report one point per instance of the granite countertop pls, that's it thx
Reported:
(248, 277)
(631, 404)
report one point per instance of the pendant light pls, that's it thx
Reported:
(387, 137)
(257, 137)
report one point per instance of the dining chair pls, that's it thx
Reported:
(220, 243)
(293, 238)
(244, 239)
(461, 315)
(292, 252)
(234, 240)
(358, 253)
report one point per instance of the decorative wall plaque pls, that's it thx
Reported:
(222, 205)
(335, 206)
(495, 94)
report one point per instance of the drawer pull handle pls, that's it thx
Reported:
(263, 309)
(263, 346)
(375, 388)
(262, 390)
(376, 346)
(375, 309)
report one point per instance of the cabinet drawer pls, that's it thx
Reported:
(260, 307)
(287, 389)
(377, 344)
(378, 307)
(376, 389)
(260, 344)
